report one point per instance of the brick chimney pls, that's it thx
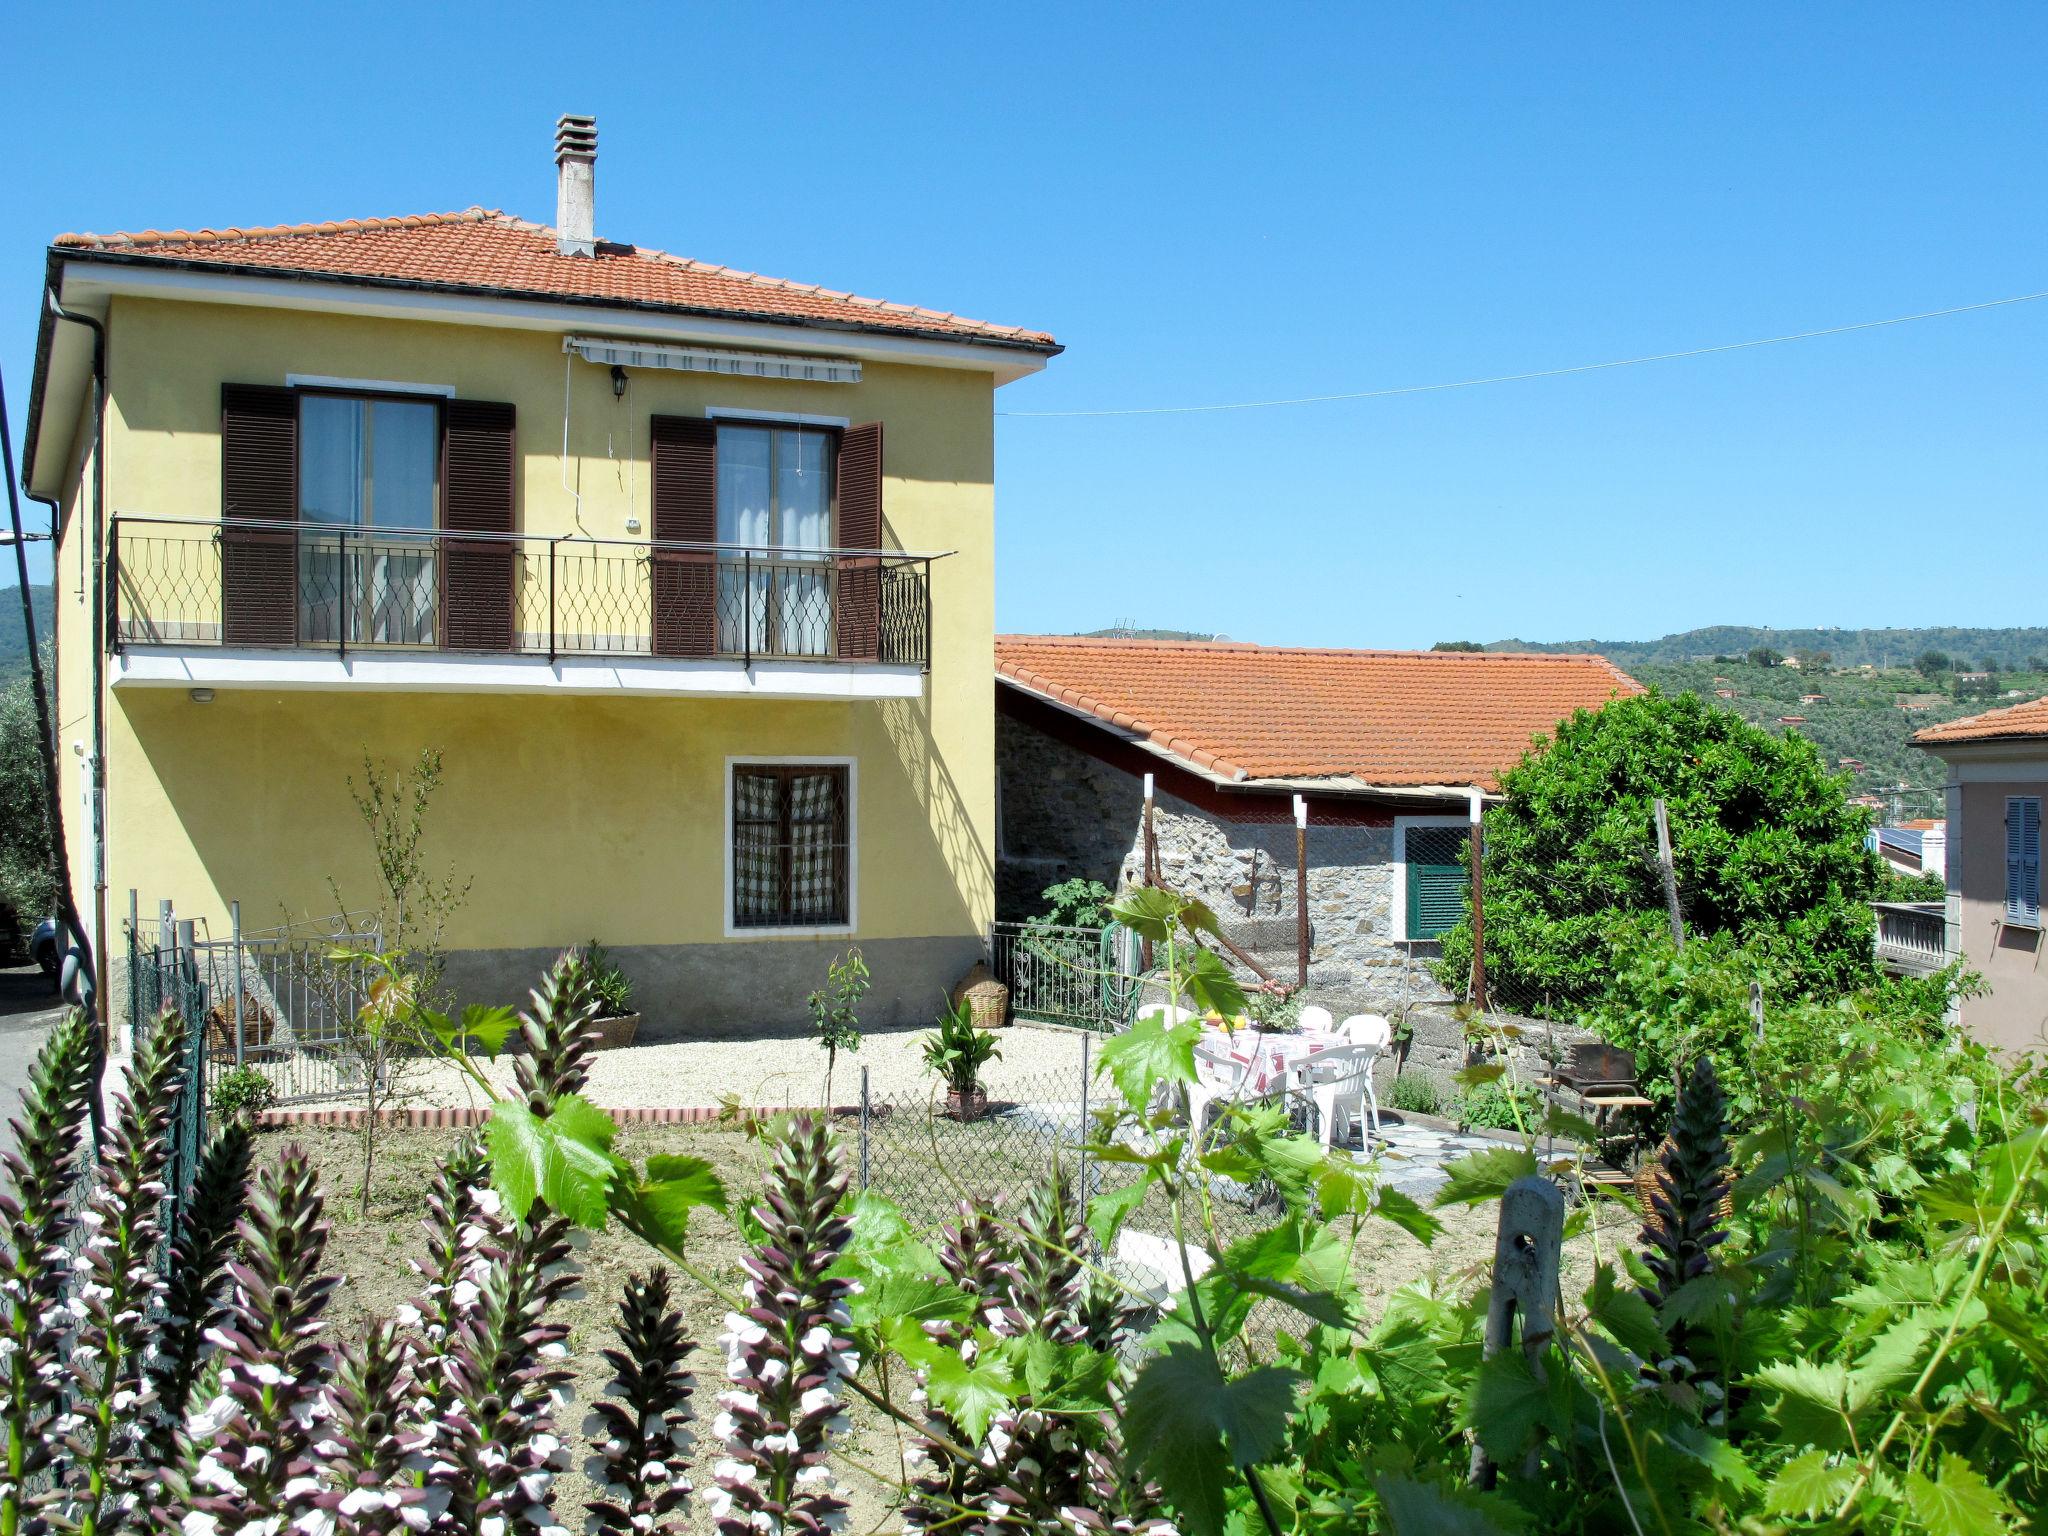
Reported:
(576, 185)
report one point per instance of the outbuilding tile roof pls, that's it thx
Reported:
(1393, 718)
(2028, 719)
(485, 250)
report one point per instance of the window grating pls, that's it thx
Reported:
(790, 846)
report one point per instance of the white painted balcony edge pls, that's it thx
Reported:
(440, 672)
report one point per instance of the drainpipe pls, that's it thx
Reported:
(97, 766)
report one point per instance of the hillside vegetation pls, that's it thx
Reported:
(2006, 650)
(13, 648)
(1860, 718)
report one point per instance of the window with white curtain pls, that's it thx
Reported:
(775, 502)
(372, 466)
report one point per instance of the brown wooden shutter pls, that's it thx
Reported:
(859, 599)
(259, 471)
(478, 495)
(685, 453)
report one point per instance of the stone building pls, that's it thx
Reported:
(1388, 750)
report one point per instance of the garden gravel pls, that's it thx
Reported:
(773, 1074)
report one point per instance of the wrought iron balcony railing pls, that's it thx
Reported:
(318, 586)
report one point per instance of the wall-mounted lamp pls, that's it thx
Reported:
(202, 695)
(618, 382)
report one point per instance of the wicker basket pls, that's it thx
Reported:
(258, 1025)
(1648, 1181)
(989, 998)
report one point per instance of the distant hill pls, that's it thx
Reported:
(13, 648)
(2008, 650)
(1117, 632)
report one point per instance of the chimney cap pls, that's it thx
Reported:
(575, 137)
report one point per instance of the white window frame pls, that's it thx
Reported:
(740, 415)
(366, 386)
(800, 760)
(1397, 909)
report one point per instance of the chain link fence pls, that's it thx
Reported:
(927, 1157)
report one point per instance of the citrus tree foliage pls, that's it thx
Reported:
(1836, 1318)
(1764, 841)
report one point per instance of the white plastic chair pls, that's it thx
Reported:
(1339, 1083)
(1372, 1032)
(1218, 1078)
(1318, 1019)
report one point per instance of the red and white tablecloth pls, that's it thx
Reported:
(1268, 1058)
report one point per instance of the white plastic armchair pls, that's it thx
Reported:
(1318, 1019)
(1219, 1078)
(1339, 1083)
(1370, 1032)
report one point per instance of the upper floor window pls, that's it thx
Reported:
(2023, 860)
(775, 502)
(373, 464)
(369, 463)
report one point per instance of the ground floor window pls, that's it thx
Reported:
(792, 844)
(1430, 874)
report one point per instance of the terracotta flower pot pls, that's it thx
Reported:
(617, 1031)
(967, 1106)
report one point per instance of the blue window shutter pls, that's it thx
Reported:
(2023, 859)
(1437, 879)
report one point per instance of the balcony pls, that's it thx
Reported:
(1912, 936)
(242, 602)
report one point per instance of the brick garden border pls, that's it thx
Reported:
(469, 1116)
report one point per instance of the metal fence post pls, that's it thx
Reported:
(235, 925)
(863, 1127)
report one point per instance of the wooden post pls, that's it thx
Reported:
(1149, 852)
(1301, 889)
(1478, 905)
(1525, 1263)
(1670, 874)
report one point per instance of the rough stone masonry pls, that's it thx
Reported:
(1066, 814)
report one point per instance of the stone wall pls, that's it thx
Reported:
(1065, 815)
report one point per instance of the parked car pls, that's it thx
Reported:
(46, 948)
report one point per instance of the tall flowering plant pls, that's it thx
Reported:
(786, 1353)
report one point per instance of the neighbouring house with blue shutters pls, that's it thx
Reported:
(1997, 786)
(1386, 753)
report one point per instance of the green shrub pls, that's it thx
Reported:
(241, 1095)
(1501, 1105)
(1419, 1093)
(1074, 904)
(608, 984)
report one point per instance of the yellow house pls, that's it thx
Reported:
(687, 572)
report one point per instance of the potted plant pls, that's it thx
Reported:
(617, 1021)
(957, 1052)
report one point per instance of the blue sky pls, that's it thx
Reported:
(1232, 203)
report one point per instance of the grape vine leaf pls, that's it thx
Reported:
(1957, 1501)
(1188, 1424)
(564, 1158)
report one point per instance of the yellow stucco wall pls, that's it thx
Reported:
(574, 815)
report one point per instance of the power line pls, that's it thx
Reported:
(1546, 373)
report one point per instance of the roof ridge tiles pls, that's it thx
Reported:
(164, 242)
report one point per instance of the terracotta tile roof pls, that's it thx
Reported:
(2028, 719)
(483, 249)
(1393, 718)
